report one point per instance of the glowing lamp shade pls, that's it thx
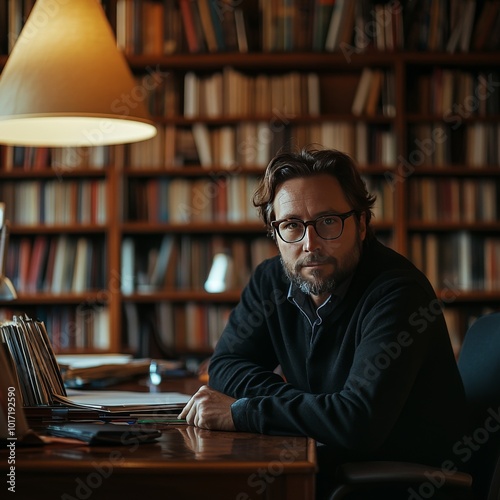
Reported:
(66, 83)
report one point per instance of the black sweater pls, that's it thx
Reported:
(377, 381)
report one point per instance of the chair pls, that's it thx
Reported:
(479, 366)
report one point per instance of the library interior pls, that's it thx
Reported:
(135, 139)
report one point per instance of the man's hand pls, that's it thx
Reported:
(209, 409)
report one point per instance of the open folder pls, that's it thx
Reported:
(35, 374)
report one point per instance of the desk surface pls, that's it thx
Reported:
(185, 463)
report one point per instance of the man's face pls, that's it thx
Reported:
(315, 264)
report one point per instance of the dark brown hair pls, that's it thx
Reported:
(306, 163)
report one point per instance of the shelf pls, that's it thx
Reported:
(282, 61)
(59, 229)
(194, 227)
(179, 296)
(458, 171)
(463, 297)
(491, 227)
(54, 173)
(192, 171)
(65, 298)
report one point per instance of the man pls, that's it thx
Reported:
(355, 328)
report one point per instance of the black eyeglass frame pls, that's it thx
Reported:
(275, 224)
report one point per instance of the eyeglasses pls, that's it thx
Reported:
(328, 227)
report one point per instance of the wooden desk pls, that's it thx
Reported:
(186, 463)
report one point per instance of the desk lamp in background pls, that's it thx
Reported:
(66, 83)
(7, 290)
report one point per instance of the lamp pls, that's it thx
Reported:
(65, 82)
(7, 290)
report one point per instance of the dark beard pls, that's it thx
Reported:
(317, 285)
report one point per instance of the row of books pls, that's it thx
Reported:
(56, 264)
(69, 327)
(253, 144)
(455, 94)
(60, 160)
(440, 144)
(55, 202)
(233, 93)
(247, 143)
(220, 199)
(169, 26)
(173, 329)
(303, 25)
(161, 27)
(217, 199)
(454, 200)
(452, 25)
(462, 260)
(185, 261)
(297, 25)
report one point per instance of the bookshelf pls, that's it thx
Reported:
(414, 99)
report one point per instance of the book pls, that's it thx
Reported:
(208, 25)
(202, 141)
(153, 28)
(335, 24)
(164, 254)
(241, 33)
(127, 266)
(362, 92)
(373, 98)
(188, 21)
(321, 21)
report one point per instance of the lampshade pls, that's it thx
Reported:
(66, 83)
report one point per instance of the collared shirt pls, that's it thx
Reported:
(315, 315)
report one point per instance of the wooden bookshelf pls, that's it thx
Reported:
(431, 130)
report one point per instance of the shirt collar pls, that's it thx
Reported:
(295, 294)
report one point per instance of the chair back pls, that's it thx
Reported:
(479, 366)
